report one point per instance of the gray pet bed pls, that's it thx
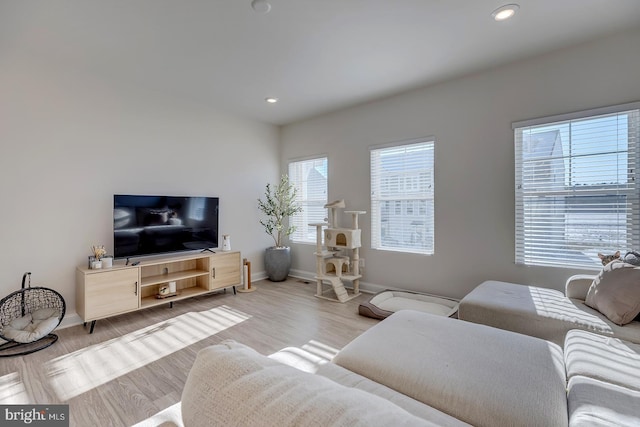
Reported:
(385, 303)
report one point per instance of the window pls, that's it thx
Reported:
(310, 180)
(402, 175)
(576, 191)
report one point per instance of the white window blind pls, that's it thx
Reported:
(576, 188)
(310, 180)
(402, 197)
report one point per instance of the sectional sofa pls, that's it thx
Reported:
(419, 369)
(518, 356)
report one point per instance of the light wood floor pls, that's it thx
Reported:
(112, 378)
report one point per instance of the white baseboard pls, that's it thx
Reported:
(258, 276)
(70, 319)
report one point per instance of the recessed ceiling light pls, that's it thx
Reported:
(261, 6)
(505, 12)
(271, 100)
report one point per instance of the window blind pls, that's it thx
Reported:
(402, 212)
(576, 188)
(310, 180)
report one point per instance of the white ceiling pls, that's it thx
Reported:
(315, 56)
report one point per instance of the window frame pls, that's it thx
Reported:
(399, 206)
(305, 221)
(526, 251)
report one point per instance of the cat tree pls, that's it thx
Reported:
(338, 260)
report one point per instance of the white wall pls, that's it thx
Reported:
(70, 140)
(470, 119)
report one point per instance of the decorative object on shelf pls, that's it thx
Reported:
(98, 252)
(164, 291)
(278, 205)
(226, 243)
(107, 261)
(172, 287)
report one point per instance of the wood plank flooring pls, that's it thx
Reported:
(114, 377)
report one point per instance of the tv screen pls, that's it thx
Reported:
(148, 225)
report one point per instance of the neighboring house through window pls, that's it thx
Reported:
(402, 212)
(310, 180)
(576, 188)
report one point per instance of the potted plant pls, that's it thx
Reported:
(278, 205)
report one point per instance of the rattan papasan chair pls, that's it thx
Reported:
(27, 318)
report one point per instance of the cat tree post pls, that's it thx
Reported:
(320, 255)
(355, 256)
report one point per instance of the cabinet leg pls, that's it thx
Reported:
(171, 304)
(93, 324)
(234, 290)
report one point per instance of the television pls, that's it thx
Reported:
(151, 225)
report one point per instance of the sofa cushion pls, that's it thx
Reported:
(538, 312)
(615, 292)
(233, 385)
(604, 358)
(594, 403)
(308, 362)
(481, 375)
(351, 379)
(32, 326)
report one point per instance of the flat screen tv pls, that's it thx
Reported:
(149, 225)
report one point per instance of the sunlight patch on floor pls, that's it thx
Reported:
(85, 369)
(12, 390)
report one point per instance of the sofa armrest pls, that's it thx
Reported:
(578, 285)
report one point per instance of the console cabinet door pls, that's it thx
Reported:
(111, 292)
(225, 270)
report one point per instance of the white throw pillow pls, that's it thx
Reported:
(615, 292)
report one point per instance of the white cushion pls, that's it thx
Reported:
(32, 327)
(615, 292)
(233, 385)
(594, 403)
(604, 358)
(309, 362)
(478, 374)
(351, 379)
